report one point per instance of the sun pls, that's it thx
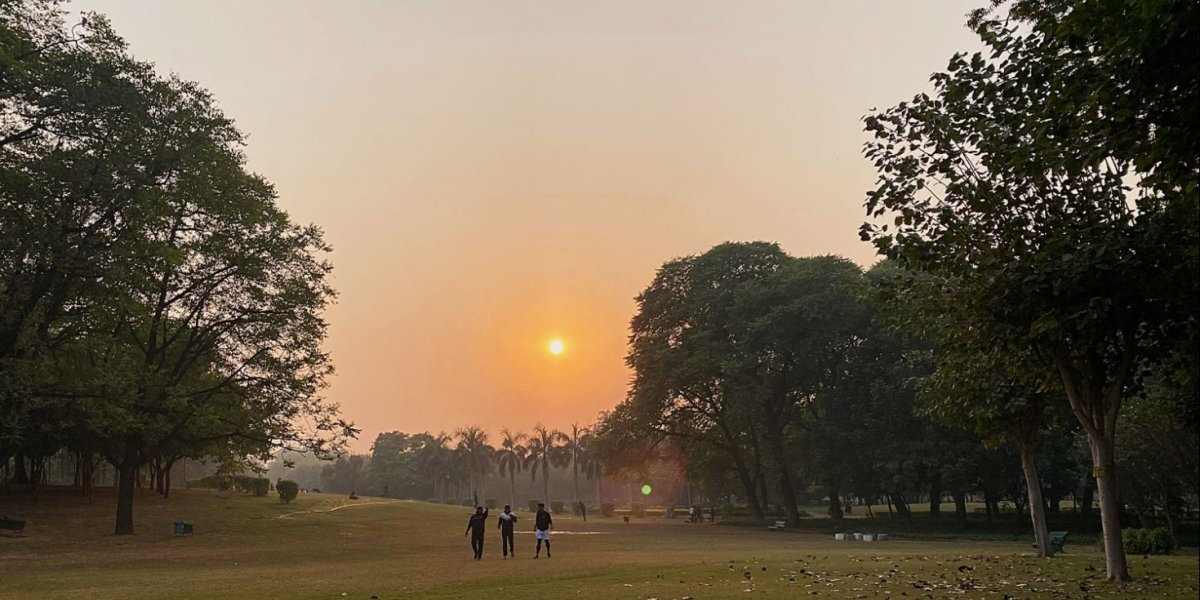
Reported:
(557, 347)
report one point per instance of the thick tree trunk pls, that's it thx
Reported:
(748, 485)
(786, 488)
(835, 504)
(960, 509)
(1041, 534)
(20, 475)
(935, 496)
(126, 476)
(764, 496)
(1110, 518)
(166, 488)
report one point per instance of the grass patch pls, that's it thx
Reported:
(323, 546)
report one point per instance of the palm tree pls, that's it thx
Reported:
(511, 458)
(476, 456)
(591, 466)
(435, 461)
(545, 450)
(575, 449)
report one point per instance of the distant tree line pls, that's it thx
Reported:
(466, 466)
(155, 302)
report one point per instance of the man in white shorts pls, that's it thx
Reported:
(542, 524)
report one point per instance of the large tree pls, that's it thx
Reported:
(1012, 182)
(729, 347)
(152, 289)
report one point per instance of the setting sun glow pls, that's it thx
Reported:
(556, 347)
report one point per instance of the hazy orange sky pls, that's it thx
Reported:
(492, 175)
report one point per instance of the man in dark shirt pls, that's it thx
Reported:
(505, 523)
(542, 523)
(475, 527)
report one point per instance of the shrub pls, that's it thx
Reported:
(671, 511)
(288, 490)
(606, 509)
(490, 503)
(556, 507)
(638, 509)
(533, 505)
(259, 485)
(1147, 541)
(468, 502)
(451, 501)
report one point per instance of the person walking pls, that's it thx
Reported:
(475, 528)
(542, 523)
(505, 524)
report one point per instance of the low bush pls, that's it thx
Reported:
(557, 506)
(533, 505)
(288, 490)
(1147, 541)
(490, 503)
(638, 509)
(606, 509)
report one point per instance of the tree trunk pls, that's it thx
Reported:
(764, 497)
(897, 498)
(20, 475)
(574, 480)
(835, 504)
(785, 480)
(512, 489)
(1037, 513)
(166, 488)
(1110, 518)
(935, 496)
(126, 474)
(960, 509)
(1172, 523)
(748, 485)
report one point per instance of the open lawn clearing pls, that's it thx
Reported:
(323, 545)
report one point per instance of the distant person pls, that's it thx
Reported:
(505, 523)
(582, 511)
(475, 527)
(542, 523)
(353, 496)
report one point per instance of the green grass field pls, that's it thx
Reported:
(324, 546)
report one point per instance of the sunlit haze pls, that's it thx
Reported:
(498, 177)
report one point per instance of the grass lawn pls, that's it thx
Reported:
(325, 546)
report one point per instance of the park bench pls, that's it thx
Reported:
(1057, 539)
(12, 524)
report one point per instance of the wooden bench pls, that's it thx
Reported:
(12, 524)
(1057, 539)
